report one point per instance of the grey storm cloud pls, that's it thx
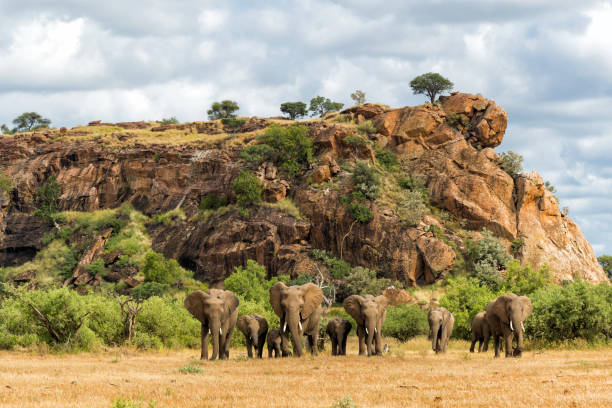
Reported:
(548, 65)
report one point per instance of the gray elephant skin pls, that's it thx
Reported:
(299, 309)
(480, 332)
(274, 343)
(441, 323)
(254, 327)
(217, 310)
(338, 330)
(505, 316)
(369, 313)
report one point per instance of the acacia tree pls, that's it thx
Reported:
(430, 84)
(233, 123)
(29, 121)
(223, 109)
(359, 97)
(294, 109)
(321, 105)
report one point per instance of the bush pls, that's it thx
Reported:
(161, 270)
(525, 280)
(487, 257)
(512, 163)
(148, 289)
(367, 128)
(455, 119)
(355, 142)
(171, 217)
(6, 186)
(387, 159)
(248, 189)
(363, 281)
(576, 310)
(404, 322)
(249, 282)
(411, 208)
(169, 121)
(337, 267)
(464, 298)
(212, 201)
(165, 321)
(360, 212)
(96, 268)
(48, 196)
(132, 241)
(292, 147)
(366, 180)
(258, 154)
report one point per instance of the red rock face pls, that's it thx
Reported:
(449, 145)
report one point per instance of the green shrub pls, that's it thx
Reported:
(96, 267)
(191, 369)
(575, 310)
(213, 202)
(169, 121)
(366, 180)
(165, 321)
(292, 147)
(355, 142)
(387, 159)
(404, 322)
(258, 154)
(248, 188)
(363, 281)
(525, 280)
(337, 267)
(6, 185)
(148, 289)
(161, 270)
(360, 212)
(48, 196)
(170, 217)
(128, 403)
(464, 298)
(411, 208)
(487, 256)
(344, 402)
(132, 240)
(367, 128)
(512, 163)
(250, 282)
(455, 119)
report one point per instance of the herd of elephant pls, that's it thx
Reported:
(299, 310)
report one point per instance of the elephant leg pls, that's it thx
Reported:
(361, 336)
(204, 351)
(378, 343)
(334, 342)
(262, 340)
(480, 345)
(508, 338)
(314, 348)
(285, 345)
(249, 346)
(496, 345)
(474, 340)
(343, 345)
(487, 336)
(269, 352)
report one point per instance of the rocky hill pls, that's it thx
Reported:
(158, 169)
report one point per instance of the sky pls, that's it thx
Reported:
(547, 63)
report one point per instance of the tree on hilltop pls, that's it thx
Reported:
(359, 97)
(29, 121)
(430, 84)
(233, 123)
(294, 109)
(321, 106)
(223, 109)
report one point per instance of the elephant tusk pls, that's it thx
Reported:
(523, 327)
(511, 328)
(209, 331)
(220, 332)
(300, 324)
(285, 327)
(375, 330)
(368, 333)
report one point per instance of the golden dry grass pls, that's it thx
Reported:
(409, 376)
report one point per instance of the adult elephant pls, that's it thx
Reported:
(369, 313)
(505, 316)
(254, 327)
(480, 332)
(217, 310)
(299, 309)
(338, 330)
(441, 323)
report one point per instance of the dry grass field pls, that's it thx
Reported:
(409, 376)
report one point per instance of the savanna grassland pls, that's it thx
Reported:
(410, 375)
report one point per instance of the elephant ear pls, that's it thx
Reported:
(502, 305)
(275, 297)
(527, 308)
(352, 305)
(381, 302)
(313, 296)
(194, 303)
(231, 302)
(242, 323)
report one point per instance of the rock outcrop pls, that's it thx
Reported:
(449, 144)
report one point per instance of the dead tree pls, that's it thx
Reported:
(130, 309)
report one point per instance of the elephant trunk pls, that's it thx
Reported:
(435, 330)
(296, 334)
(518, 332)
(254, 337)
(370, 332)
(215, 331)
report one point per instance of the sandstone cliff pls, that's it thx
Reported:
(450, 145)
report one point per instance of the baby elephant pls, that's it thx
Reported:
(338, 330)
(274, 343)
(480, 332)
(254, 327)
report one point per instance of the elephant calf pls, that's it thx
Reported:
(274, 343)
(338, 330)
(441, 323)
(480, 332)
(254, 327)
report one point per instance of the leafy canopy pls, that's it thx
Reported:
(223, 109)
(30, 121)
(359, 97)
(430, 84)
(320, 106)
(295, 110)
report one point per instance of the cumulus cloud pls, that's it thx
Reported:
(549, 66)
